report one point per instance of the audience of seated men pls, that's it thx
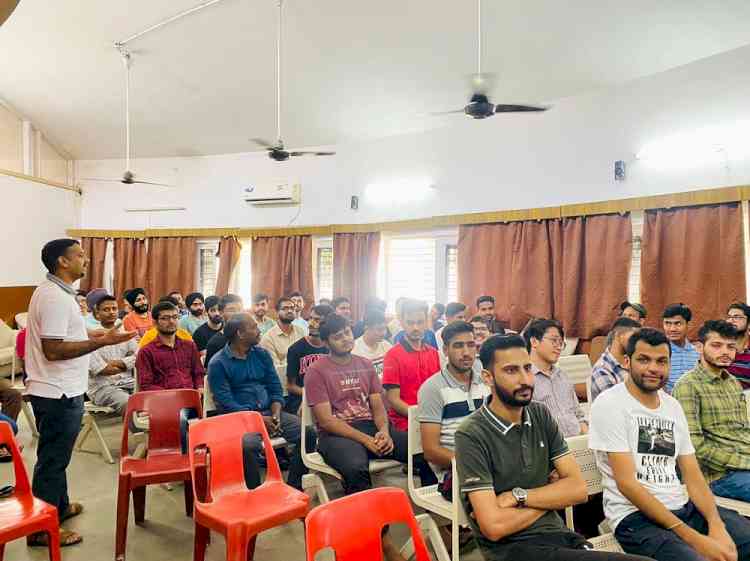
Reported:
(260, 313)
(168, 362)
(454, 311)
(545, 341)
(299, 309)
(303, 354)
(676, 318)
(608, 370)
(138, 319)
(486, 309)
(345, 395)
(437, 316)
(632, 310)
(738, 315)
(153, 332)
(242, 377)
(229, 304)
(111, 379)
(716, 413)
(641, 436)
(211, 327)
(283, 335)
(373, 345)
(504, 453)
(196, 316)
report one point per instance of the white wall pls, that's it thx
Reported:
(519, 161)
(34, 214)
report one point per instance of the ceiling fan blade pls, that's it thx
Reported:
(151, 183)
(482, 83)
(324, 153)
(311, 153)
(100, 179)
(438, 113)
(510, 108)
(262, 142)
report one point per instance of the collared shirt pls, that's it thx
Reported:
(716, 412)
(406, 368)
(244, 384)
(302, 322)
(683, 359)
(161, 367)
(190, 323)
(126, 352)
(153, 333)
(55, 314)
(428, 337)
(558, 394)
(740, 368)
(607, 372)
(494, 454)
(136, 322)
(266, 325)
(276, 342)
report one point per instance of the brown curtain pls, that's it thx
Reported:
(171, 266)
(692, 255)
(283, 264)
(95, 249)
(130, 265)
(229, 256)
(355, 268)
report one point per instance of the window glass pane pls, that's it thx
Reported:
(411, 269)
(208, 269)
(451, 273)
(325, 272)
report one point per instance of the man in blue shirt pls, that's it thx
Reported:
(676, 318)
(242, 377)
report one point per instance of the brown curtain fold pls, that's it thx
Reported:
(283, 264)
(130, 265)
(355, 268)
(96, 249)
(229, 256)
(171, 266)
(693, 255)
(572, 269)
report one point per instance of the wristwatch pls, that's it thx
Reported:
(520, 495)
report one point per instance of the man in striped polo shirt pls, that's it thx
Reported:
(676, 318)
(738, 314)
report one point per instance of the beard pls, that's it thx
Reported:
(140, 309)
(511, 399)
(196, 313)
(712, 361)
(285, 320)
(218, 320)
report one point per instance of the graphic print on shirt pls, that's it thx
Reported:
(656, 447)
(307, 361)
(357, 402)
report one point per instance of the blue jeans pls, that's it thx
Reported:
(734, 485)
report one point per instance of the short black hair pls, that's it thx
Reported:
(104, 298)
(621, 324)
(720, 327)
(479, 319)
(439, 307)
(175, 291)
(373, 318)
(259, 297)
(410, 305)
(741, 306)
(210, 302)
(323, 310)
(678, 309)
(332, 324)
(640, 308)
(538, 328)
(485, 298)
(233, 325)
(648, 335)
(192, 297)
(163, 306)
(336, 302)
(375, 303)
(81, 293)
(229, 299)
(498, 343)
(454, 308)
(170, 299)
(53, 250)
(456, 328)
(281, 300)
(295, 294)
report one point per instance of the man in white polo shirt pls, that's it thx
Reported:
(57, 364)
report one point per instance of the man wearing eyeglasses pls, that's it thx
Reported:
(169, 362)
(545, 340)
(738, 315)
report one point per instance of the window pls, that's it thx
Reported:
(451, 273)
(208, 266)
(634, 280)
(324, 272)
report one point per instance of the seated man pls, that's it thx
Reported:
(609, 370)
(152, 332)
(481, 331)
(213, 325)
(545, 340)
(634, 311)
(299, 309)
(138, 319)
(242, 378)
(486, 310)
(260, 313)
(373, 345)
(281, 336)
(684, 355)
(738, 314)
(111, 378)
(640, 436)
(504, 454)
(229, 304)
(716, 413)
(168, 362)
(454, 311)
(196, 315)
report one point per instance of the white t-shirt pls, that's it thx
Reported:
(376, 355)
(54, 314)
(655, 437)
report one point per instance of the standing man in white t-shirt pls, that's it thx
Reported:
(57, 363)
(372, 345)
(640, 435)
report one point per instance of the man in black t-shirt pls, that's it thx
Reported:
(229, 304)
(203, 334)
(302, 354)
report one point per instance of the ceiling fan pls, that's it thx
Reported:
(128, 177)
(480, 106)
(276, 151)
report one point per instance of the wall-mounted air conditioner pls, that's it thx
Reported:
(278, 193)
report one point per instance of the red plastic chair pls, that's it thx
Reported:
(352, 526)
(230, 508)
(164, 461)
(22, 514)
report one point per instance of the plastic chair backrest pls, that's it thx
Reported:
(222, 436)
(414, 445)
(307, 421)
(588, 391)
(576, 367)
(208, 397)
(352, 525)
(579, 447)
(22, 478)
(164, 423)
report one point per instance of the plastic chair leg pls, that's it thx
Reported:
(84, 434)
(54, 541)
(2, 551)
(188, 498)
(102, 443)
(251, 548)
(26, 408)
(200, 543)
(123, 508)
(139, 504)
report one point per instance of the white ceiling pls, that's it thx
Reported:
(351, 69)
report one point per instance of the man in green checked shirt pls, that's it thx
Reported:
(716, 412)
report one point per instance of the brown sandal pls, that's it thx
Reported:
(74, 509)
(41, 539)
